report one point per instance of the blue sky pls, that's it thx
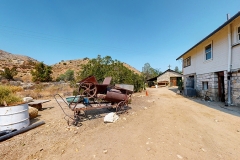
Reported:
(132, 31)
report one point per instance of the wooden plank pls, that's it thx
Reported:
(38, 102)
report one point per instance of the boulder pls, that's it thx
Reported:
(33, 112)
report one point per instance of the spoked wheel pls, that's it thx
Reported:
(88, 89)
(121, 107)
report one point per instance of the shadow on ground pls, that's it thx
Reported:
(233, 110)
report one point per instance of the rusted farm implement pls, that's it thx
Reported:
(92, 95)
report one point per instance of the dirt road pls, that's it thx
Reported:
(162, 125)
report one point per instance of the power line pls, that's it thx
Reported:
(43, 36)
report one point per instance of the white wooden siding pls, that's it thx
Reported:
(220, 48)
(236, 57)
(234, 25)
(235, 49)
(220, 54)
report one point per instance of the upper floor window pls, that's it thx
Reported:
(208, 52)
(187, 62)
(238, 34)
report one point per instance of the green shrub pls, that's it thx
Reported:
(67, 76)
(106, 67)
(41, 73)
(9, 73)
(8, 97)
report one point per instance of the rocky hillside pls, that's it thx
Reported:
(25, 64)
(9, 57)
(131, 68)
(75, 65)
(63, 66)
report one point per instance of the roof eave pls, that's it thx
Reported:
(215, 31)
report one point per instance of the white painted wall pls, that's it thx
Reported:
(220, 52)
(236, 48)
(236, 57)
(219, 58)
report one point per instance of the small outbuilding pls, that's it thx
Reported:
(169, 78)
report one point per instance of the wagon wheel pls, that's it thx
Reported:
(129, 99)
(88, 89)
(120, 106)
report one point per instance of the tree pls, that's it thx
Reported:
(41, 73)
(9, 73)
(61, 77)
(67, 76)
(106, 67)
(177, 70)
(149, 72)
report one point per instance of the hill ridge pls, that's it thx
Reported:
(25, 64)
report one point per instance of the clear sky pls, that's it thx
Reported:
(132, 31)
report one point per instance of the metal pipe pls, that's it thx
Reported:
(229, 102)
(5, 137)
(228, 16)
(229, 49)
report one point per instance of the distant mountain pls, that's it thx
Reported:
(25, 64)
(6, 56)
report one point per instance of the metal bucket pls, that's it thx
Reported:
(14, 117)
(70, 99)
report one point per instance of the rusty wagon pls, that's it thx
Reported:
(93, 95)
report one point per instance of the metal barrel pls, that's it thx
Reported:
(14, 117)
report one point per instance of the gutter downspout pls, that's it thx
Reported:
(229, 102)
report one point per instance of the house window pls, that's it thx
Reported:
(208, 52)
(238, 34)
(187, 62)
(204, 85)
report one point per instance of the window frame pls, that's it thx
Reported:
(187, 62)
(211, 52)
(238, 34)
(203, 86)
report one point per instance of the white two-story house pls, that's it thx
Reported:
(214, 63)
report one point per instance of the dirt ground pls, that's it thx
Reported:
(162, 125)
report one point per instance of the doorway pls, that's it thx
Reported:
(173, 81)
(221, 88)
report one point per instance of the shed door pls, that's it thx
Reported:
(173, 81)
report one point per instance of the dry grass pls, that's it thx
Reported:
(41, 91)
(8, 95)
